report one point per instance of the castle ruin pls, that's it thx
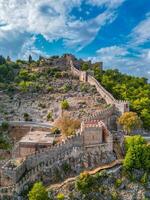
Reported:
(88, 148)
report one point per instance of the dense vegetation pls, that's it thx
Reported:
(125, 87)
(138, 154)
(22, 76)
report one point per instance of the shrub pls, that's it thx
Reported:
(83, 88)
(67, 125)
(55, 131)
(4, 144)
(5, 125)
(26, 117)
(114, 195)
(118, 183)
(23, 75)
(64, 105)
(25, 85)
(60, 196)
(66, 87)
(50, 88)
(38, 192)
(49, 116)
(84, 182)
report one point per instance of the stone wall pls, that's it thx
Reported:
(13, 172)
(74, 147)
(121, 106)
(46, 170)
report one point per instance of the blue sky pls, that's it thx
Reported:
(116, 32)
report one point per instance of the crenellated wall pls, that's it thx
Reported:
(74, 147)
(44, 155)
(121, 106)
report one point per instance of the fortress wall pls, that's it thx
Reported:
(50, 165)
(55, 163)
(102, 115)
(6, 191)
(91, 80)
(121, 106)
(13, 173)
(46, 154)
(74, 70)
(102, 148)
(103, 92)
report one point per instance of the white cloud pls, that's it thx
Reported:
(130, 58)
(28, 48)
(141, 33)
(53, 20)
(107, 3)
(115, 51)
(137, 63)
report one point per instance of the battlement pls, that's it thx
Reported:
(91, 124)
(102, 115)
(121, 106)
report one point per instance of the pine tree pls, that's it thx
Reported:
(30, 58)
(8, 59)
(2, 60)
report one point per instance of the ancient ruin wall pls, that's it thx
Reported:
(44, 155)
(121, 106)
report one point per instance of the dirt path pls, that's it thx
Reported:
(91, 172)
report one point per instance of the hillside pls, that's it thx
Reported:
(109, 184)
(37, 89)
(43, 76)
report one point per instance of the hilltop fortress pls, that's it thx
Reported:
(88, 148)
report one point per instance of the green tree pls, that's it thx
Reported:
(2, 60)
(145, 116)
(8, 59)
(129, 121)
(138, 153)
(133, 89)
(30, 59)
(85, 66)
(38, 192)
